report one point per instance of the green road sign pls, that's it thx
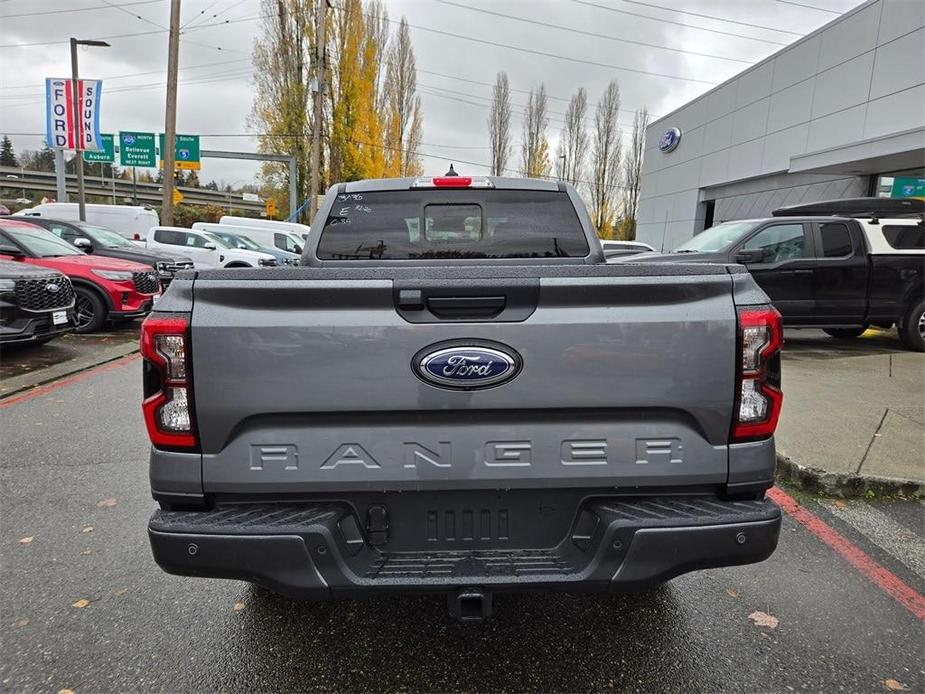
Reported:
(102, 156)
(908, 188)
(186, 155)
(137, 149)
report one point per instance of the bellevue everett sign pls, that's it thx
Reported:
(137, 149)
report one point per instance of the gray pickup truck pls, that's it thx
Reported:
(455, 393)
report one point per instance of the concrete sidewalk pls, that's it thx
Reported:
(853, 417)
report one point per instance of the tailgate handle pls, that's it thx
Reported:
(466, 306)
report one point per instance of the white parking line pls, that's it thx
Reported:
(902, 543)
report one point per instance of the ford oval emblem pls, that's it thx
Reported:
(670, 140)
(466, 365)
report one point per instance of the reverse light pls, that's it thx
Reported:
(758, 395)
(167, 407)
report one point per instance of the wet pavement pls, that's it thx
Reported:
(85, 608)
(84, 349)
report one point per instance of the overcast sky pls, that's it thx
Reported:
(454, 73)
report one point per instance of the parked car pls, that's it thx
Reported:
(104, 288)
(104, 242)
(615, 249)
(456, 394)
(298, 232)
(129, 221)
(36, 304)
(842, 274)
(207, 252)
(239, 240)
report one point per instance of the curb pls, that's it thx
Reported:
(816, 480)
(30, 381)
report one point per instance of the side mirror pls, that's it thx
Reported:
(210, 246)
(242, 247)
(749, 256)
(7, 249)
(84, 244)
(298, 249)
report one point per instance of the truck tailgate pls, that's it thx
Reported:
(303, 382)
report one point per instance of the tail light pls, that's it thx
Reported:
(452, 182)
(758, 395)
(168, 402)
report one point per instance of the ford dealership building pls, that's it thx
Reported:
(839, 113)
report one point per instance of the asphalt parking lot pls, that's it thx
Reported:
(85, 608)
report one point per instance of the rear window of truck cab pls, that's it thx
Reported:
(453, 224)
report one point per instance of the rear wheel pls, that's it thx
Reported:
(845, 333)
(89, 310)
(912, 331)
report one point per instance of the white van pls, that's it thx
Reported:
(129, 221)
(300, 230)
(265, 235)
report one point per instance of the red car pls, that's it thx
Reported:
(104, 287)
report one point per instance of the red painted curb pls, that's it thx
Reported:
(67, 380)
(882, 577)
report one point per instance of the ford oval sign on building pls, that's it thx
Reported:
(670, 140)
(465, 365)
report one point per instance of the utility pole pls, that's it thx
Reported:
(78, 98)
(170, 124)
(321, 86)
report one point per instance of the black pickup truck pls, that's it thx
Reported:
(840, 265)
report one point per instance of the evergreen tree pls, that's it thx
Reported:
(7, 155)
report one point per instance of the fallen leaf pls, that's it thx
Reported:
(80, 604)
(763, 619)
(732, 593)
(87, 529)
(895, 686)
(26, 540)
(65, 691)
(22, 622)
(88, 552)
(840, 504)
(120, 593)
(238, 606)
(108, 502)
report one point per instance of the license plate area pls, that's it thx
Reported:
(59, 317)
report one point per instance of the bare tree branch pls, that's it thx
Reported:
(534, 147)
(605, 161)
(499, 124)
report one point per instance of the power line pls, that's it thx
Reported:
(681, 24)
(590, 33)
(556, 56)
(810, 7)
(710, 16)
(513, 89)
(134, 74)
(78, 9)
(132, 14)
(192, 23)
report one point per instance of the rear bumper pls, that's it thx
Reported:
(319, 551)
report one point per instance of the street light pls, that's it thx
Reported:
(78, 98)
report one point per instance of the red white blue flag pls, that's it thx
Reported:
(66, 129)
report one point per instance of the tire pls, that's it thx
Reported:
(844, 333)
(89, 310)
(912, 330)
